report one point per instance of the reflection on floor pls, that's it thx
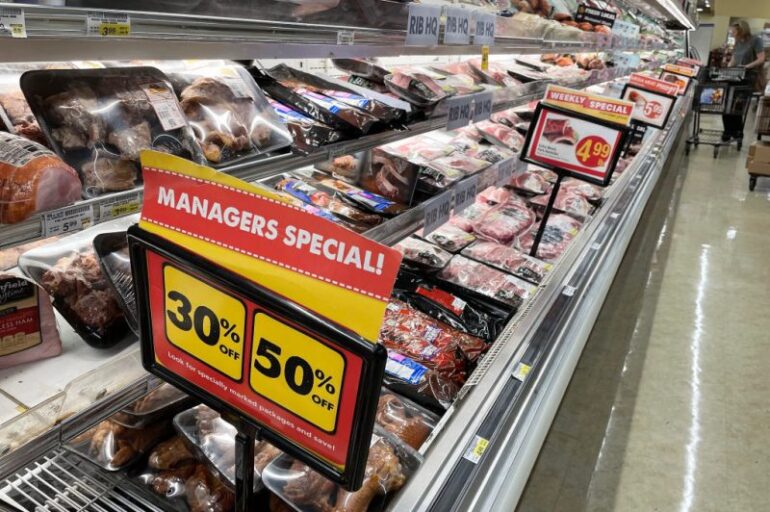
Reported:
(669, 407)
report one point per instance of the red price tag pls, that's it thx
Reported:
(593, 151)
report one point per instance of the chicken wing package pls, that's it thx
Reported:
(159, 404)
(377, 105)
(207, 434)
(27, 322)
(509, 260)
(32, 179)
(69, 271)
(421, 254)
(478, 278)
(98, 121)
(114, 447)
(307, 133)
(389, 465)
(450, 238)
(115, 262)
(423, 385)
(229, 115)
(389, 175)
(404, 419)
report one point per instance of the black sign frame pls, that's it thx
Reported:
(668, 96)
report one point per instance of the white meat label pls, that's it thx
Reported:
(238, 86)
(114, 208)
(476, 449)
(465, 193)
(485, 28)
(12, 22)
(459, 111)
(166, 107)
(437, 212)
(67, 220)
(422, 25)
(17, 155)
(458, 26)
(108, 24)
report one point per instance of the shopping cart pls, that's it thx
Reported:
(725, 92)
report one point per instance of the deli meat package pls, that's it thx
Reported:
(229, 115)
(487, 281)
(98, 121)
(27, 322)
(32, 179)
(509, 260)
(505, 221)
(559, 232)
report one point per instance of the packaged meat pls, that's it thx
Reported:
(205, 492)
(450, 238)
(419, 150)
(487, 281)
(424, 386)
(98, 121)
(306, 132)
(69, 271)
(416, 88)
(207, 434)
(560, 230)
(530, 182)
(32, 179)
(493, 74)
(27, 322)
(590, 191)
(461, 83)
(549, 175)
(368, 69)
(501, 135)
(9, 257)
(366, 83)
(490, 153)
(509, 260)
(371, 102)
(389, 464)
(346, 167)
(115, 262)
(364, 199)
(404, 419)
(18, 117)
(113, 446)
(504, 222)
(169, 466)
(465, 220)
(436, 176)
(506, 117)
(496, 195)
(159, 404)
(567, 201)
(390, 175)
(416, 335)
(229, 116)
(422, 254)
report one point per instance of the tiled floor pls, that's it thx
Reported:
(669, 408)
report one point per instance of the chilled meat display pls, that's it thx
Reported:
(487, 281)
(508, 259)
(32, 179)
(504, 222)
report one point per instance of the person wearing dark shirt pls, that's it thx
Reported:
(748, 53)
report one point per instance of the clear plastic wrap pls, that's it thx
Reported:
(495, 195)
(487, 281)
(419, 150)
(417, 88)
(559, 233)
(504, 222)
(345, 167)
(404, 419)
(160, 403)
(465, 219)
(530, 182)
(509, 260)
(115, 262)
(27, 322)
(390, 175)
(425, 386)
(99, 120)
(506, 117)
(569, 201)
(490, 153)
(451, 238)
(306, 132)
(494, 74)
(363, 68)
(32, 179)
(114, 447)
(207, 433)
(500, 134)
(549, 175)
(389, 465)
(364, 199)
(422, 254)
(591, 192)
(16, 115)
(169, 466)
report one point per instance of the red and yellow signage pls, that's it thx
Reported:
(653, 84)
(680, 70)
(594, 105)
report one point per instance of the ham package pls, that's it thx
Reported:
(32, 179)
(27, 323)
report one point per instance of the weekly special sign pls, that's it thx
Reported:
(653, 99)
(263, 310)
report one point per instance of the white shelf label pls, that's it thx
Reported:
(458, 26)
(119, 207)
(485, 28)
(482, 106)
(569, 291)
(505, 170)
(346, 37)
(108, 24)
(422, 25)
(437, 212)
(12, 22)
(465, 193)
(476, 449)
(64, 221)
(625, 29)
(459, 111)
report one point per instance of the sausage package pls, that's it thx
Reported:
(98, 121)
(27, 322)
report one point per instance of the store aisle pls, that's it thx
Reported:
(668, 409)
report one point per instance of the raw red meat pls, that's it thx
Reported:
(506, 117)
(420, 150)
(505, 221)
(567, 201)
(531, 182)
(467, 217)
(588, 190)
(559, 232)
(451, 238)
(548, 174)
(423, 253)
(501, 134)
(508, 259)
(497, 195)
(559, 131)
(487, 281)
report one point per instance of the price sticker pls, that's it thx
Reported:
(485, 28)
(437, 212)
(482, 106)
(108, 24)
(465, 193)
(119, 207)
(12, 22)
(457, 29)
(592, 151)
(476, 449)
(459, 111)
(521, 371)
(67, 220)
(505, 171)
(346, 37)
(422, 25)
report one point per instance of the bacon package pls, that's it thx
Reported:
(306, 132)
(501, 135)
(486, 281)
(451, 238)
(424, 386)
(422, 254)
(509, 260)
(530, 182)
(559, 232)
(567, 201)
(504, 222)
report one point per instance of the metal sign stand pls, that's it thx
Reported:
(546, 214)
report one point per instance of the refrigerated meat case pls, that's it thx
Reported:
(481, 453)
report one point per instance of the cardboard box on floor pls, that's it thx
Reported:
(758, 161)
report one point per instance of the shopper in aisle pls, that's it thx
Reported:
(749, 53)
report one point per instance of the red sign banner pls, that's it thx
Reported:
(653, 84)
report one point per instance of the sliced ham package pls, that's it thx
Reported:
(32, 179)
(27, 322)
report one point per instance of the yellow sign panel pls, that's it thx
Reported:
(205, 322)
(296, 372)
